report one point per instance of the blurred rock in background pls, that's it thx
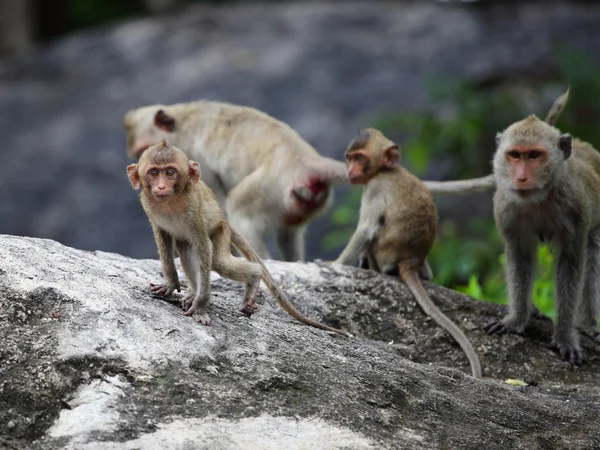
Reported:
(324, 68)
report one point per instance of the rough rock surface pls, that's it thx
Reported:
(323, 68)
(91, 360)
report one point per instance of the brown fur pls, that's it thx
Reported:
(397, 224)
(183, 211)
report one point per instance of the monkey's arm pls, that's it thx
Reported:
(461, 186)
(164, 243)
(356, 247)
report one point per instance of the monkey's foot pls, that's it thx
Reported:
(187, 300)
(200, 315)
(501, 326)
(165, 289)
(569, 351)
(249, 307)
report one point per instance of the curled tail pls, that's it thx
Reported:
(242, 245)
(557, 107)
(411, 278)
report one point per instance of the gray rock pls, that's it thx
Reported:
(91, 360)
(323, 68)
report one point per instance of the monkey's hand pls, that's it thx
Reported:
(569, 349)
(165, 289)
(506, 325)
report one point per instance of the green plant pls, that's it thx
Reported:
(493, 288)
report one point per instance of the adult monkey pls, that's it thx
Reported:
(184, 213)
(397, 224)
(548, 189)
(269, 179)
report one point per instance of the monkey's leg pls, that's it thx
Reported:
(247, 211)
(187, 262)
(569, 286)
(587, 317)
(237, 269)
(290, 242)
(201, 253)
(164, 243)
(520, 263)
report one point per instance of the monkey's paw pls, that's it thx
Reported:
(249, 307)
(199, 315)
(165, 289)
(569, 351)
(187, 300)
(501, 326)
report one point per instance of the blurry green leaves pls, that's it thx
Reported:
(458, 132)
(89, 12)
(493, 288)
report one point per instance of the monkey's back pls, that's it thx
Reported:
(409, 222)
(586, 164)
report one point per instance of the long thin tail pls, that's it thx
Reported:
(242, 245)
(557, 107)
(461, 186)
(411, 278)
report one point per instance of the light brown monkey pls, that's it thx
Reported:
(397, 223)
(269, 179)
(549, 190)
(184, 212)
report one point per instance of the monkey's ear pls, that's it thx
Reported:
(498, 138)
(391, 156)
(134, 176)
(194, 172)
(164, 121)
(564, 143)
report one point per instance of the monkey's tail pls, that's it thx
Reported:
(411, 278)
(557, 108)
(242, 245)
(461, 186)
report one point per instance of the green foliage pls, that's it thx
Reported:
(493, 288)
(458, 133)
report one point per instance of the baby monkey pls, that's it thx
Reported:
(184, 213)
(397, 223)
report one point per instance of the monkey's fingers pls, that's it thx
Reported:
(249, 307)
(162, 289)
(495, 326)
(571, 353)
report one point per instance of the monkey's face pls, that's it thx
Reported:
(359, 166)
(526, 167)
(161, 182)
(146, 127)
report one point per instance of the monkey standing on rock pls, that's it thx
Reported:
(548, 188)
(397, 223)
(183, 211)
(268, 179)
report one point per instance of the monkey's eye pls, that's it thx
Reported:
(153, 173)
(170, 173)
(359, 157)
(534, 154)
(514, 154)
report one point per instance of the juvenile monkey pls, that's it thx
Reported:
(397, 223)
(184, 212)
(268, 179)
(548, 189)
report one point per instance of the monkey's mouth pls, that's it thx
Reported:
(526, 193)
